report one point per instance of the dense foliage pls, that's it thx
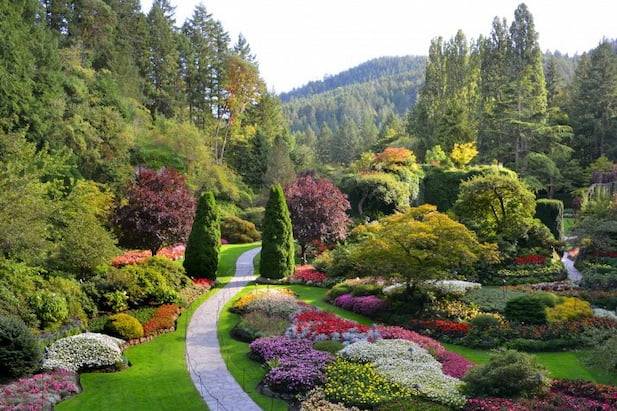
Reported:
(202, 249)
(277, 253)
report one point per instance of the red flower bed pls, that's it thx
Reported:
(204, 282)
(131, 257)
(610, 254)
(164, 318)
(308, 274)
(531, 259)
(316, 322)
(173, 252)
(441, 328)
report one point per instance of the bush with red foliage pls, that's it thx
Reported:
(531, 259)
(206, 283)
(131, 257)
(441, 328)
(164, 318)
(158, 210)
(173, 252)
(307, 274)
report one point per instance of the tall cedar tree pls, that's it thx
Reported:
(202, 249)
(277, 253)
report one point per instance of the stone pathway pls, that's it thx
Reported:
(216, 385)
(573, 274)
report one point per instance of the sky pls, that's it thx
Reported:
(297, 41)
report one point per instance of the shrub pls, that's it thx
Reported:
(238, 231)
(124, 326)
(40, 391)
(550, 212)
(603, 356)
(277, 253)
(486, 331)
(273, 304)
(508, 374)
(19, 351)
(526, 274)
(241, 304)
(116, 301)
(570, 309)
(84, 352)
(163, 318)
(599, 276)
(492, 299)
(328, 346)
(529, 345)
(202, 248)
(50, 308)
(359, 385)
(454, 310)
(530, 309)
(131, 257)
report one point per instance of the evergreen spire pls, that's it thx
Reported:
(277, 253)
(202, 249)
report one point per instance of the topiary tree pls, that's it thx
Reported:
(277, 253)
(19, 350)
(201, 257)
(550, 212)
(157, 211)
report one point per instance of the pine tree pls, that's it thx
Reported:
(280, 169)
(278, 251)
(202, 249)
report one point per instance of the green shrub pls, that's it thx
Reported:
(124, 326)
(529, 345)
(525, 274)
(603, 356)
(530, 309)
(508, 374)
(116, 301)
(255, 215)
(330, 346)
(238, 231)
(172, 271)
(201, 257)
(338, 290)
(491, 299)
(412, 404)
(486, 331)
(50, 308)
(550, 212)
(277, 253)
(366, 289)
(20, 353)
(598, 276)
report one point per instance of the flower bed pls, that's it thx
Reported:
(441, 328)
(163, 319)
(174, 252)
(296, 366)
(39, 392)
(368, 305)
(206, 283)
(307, 274)
(242, 304)
(531, 259)
(83, 352)
(316, 325)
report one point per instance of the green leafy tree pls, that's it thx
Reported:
(202, 248)
(278, 251)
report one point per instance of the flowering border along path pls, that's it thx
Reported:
(209, 373)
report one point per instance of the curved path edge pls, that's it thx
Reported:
(206, 366)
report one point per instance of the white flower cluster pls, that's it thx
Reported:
(83, 351)
(409, 365)
(457, 287)
(602, 313)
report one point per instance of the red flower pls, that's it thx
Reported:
(531, 259)
(131, 257)
(163, 318)
(308, 274)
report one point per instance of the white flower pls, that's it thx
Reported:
(83, 351)
(602, 313)
(455, 286)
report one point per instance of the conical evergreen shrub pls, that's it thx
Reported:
(277, 252)
(201, 257)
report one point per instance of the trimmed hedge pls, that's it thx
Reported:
(440, 187)
(202, 249)
(530, 309)
(277, 252)
(238, 231)
(550, 212)
(124, 326)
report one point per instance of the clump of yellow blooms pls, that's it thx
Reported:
(570, 308)
(242, 302)
(359, 385)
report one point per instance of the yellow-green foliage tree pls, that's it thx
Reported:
(463, 154)
(419, 245)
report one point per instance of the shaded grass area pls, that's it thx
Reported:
(158, 378)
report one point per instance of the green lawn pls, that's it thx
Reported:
(158, 378)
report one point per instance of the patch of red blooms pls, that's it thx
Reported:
(173, 252)
(308, 274)
(531, 259)
(204, 282)
(320, 322)
(163, 318)
(610, 254)
(131, 257)
(441, 327)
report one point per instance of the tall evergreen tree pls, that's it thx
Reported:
(278, 251)
(202, 248)
(280, 169)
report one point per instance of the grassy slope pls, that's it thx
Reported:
(158, 378)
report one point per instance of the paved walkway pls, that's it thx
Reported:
(216, 385)
(573, 274)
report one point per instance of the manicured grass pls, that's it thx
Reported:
(158, 378)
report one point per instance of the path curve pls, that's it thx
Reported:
(208, 371)
(573, 274)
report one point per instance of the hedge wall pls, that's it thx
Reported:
(550, 212)
(441, 186)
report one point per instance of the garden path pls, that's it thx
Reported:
(208, 371)
(573, 274)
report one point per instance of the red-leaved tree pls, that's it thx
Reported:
(318, 211)
(158, 210)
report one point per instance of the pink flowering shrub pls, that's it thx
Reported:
(39, 392)
(307, 274)
(173, 252)
(366, 304)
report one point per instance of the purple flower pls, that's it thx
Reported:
(366, 305)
